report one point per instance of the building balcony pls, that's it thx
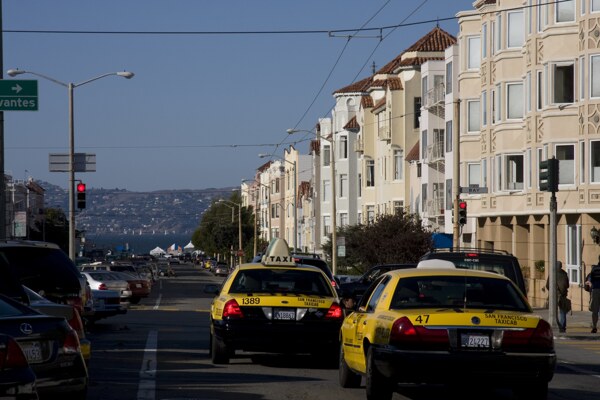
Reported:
(434, 101)
(435, 207)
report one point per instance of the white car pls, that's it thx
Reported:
(105, 280)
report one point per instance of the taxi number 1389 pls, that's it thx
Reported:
(251, 300)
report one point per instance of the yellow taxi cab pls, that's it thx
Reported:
(275, 306)
(444, 325)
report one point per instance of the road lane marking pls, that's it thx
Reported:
(147, 386)
(158, 302)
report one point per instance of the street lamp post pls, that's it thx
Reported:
(239, 206)
(70, 87)
(333, 195)
(295, 196)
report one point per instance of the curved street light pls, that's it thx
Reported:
(70, 87)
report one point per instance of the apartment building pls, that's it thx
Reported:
(529, 87)
(297, 168)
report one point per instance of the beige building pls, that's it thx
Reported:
(529, 85)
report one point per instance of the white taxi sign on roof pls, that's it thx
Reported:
(434, 263)
(278, 253)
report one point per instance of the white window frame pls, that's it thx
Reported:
(573, 248)
(473, 61)
(528, 92)
(343, 147)
(326, 190)
(510, 86)
(539, 90)
(484, 41)
(528, 166)
(498, 34)
(498, 103)
(474, 113)
(581, 76)
(561, 4)
(506, 184)
(554, 65)
(594, 178)
(594, 6)
(474, 173)
(484, 181)
(582, 161)
(344, 185)
(594, 94)
(563, 164)
(483, 106)
(398, 164)
(513, 20)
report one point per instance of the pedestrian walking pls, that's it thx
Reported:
(592, 285)
(562, 290)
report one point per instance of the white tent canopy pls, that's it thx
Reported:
(189, 246)
(157, 251)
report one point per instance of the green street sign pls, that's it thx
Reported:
(18, 95)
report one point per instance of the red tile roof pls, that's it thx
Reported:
(413, 154)
(366, 102)
(352, 125)
(264, 167)
(436, 40)
(360, 86)
(380, 103)
(392, 83)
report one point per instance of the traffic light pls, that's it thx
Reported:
(462, 212)
(548, 173)
(81, 195)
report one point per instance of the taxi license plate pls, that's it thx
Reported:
(474, 341)
(33, 352)
(287, 315)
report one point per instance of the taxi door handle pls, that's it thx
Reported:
(364, 322)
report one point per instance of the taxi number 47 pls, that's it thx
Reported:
(251, 300)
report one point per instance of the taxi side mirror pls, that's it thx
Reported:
(211, 289)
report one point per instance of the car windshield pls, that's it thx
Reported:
(281, 281)
(458, 292)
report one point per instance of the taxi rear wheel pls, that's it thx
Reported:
(347, 377)
(219, 352)
(378, 386)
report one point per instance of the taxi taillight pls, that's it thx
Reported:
(335, 312)
(232, 309)
(539, 338)
(404, 332)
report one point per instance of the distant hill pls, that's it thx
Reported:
(119, 211)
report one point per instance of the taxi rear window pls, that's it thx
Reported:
(458, 291)
(281, 281)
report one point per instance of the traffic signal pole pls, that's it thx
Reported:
(552, 290)
(456, 173)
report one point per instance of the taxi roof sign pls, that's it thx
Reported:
(436, 263)
(278, 253)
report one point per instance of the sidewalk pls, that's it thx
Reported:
(579, 325)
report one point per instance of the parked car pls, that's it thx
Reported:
(316, 261)
(104, 280)
(52, 349)
(221, 269)
(498, 261)
(17, 379)
(140, 287)
(106, 303)
(355, 289)
(46, 269)
(68, 312)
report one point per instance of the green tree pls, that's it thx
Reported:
(390, 239)
(54, 228)
(219, 227)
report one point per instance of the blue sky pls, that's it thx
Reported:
(201, 107)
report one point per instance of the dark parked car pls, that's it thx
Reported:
(44, 268)
(17, 379)
(316, 261)
(498, 261)
(355, 289)
(52, 349)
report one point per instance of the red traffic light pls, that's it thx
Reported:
(462, 205)
(81, 187)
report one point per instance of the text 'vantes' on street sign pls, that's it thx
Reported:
(18, 95)
(82, 162)
(473, 189)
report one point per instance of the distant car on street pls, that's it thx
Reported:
(104, 280)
